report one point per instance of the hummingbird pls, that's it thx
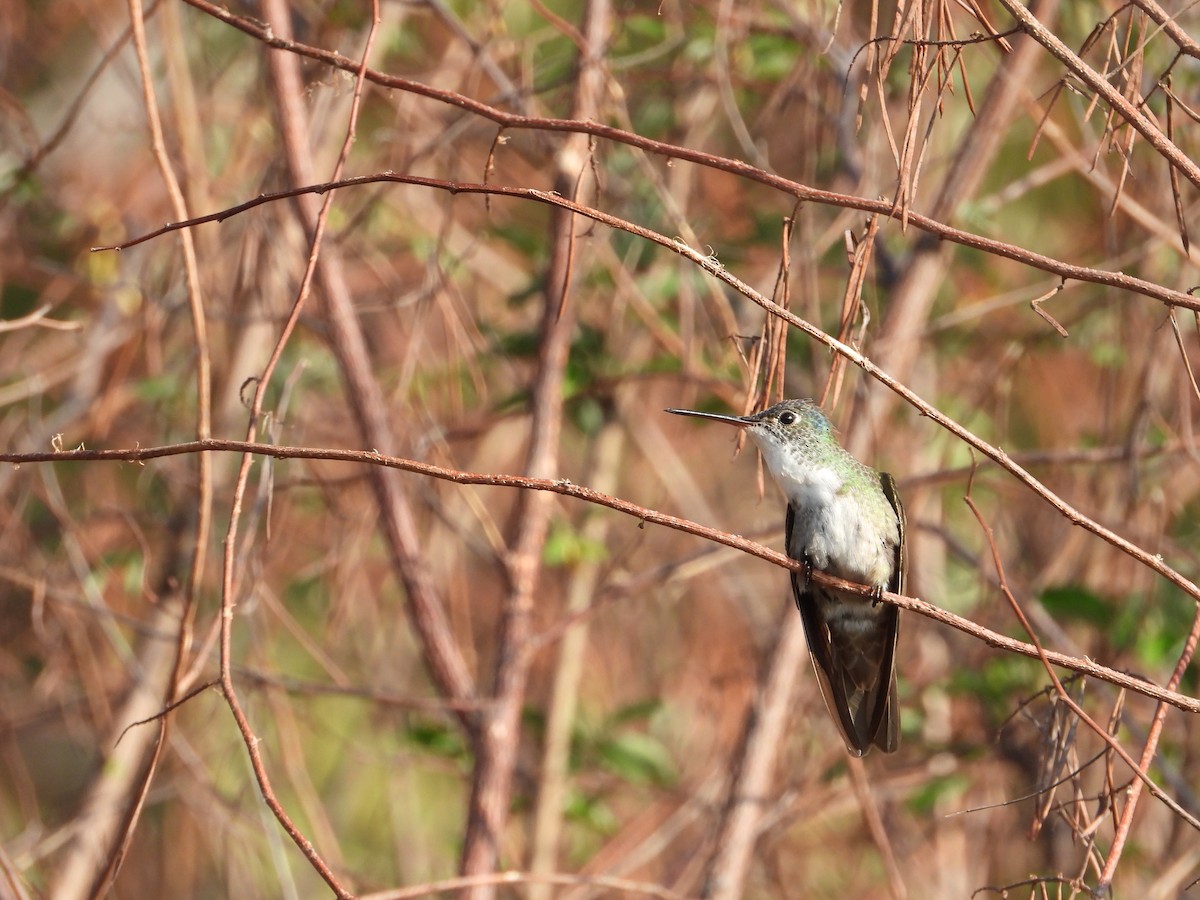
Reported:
(845, 519)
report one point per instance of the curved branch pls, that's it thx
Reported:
(714, 268)
(643, 514)
(1186, 44)
(1009, 251)
(262, 32)
(1141, 122)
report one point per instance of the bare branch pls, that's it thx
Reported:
(1143, 124)
(642, 514)
(800, 191)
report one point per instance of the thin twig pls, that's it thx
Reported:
(714, 268)
(148, 751)
(999, 248)
(496, 753)
(1142, 123)
(1139, 769)
(38, 317)
(875, 827)
(280, 13)
(498, 879)
(506, 120)
(1148, 753)
(1175, 32)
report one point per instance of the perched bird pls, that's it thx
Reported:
(845, 519)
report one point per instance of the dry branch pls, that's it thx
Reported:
(642, 514)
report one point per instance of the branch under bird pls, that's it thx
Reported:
(846, 519)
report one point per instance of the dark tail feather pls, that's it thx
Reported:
(854, 657)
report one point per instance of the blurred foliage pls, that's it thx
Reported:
(450, 291)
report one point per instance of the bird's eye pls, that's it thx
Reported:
(787, 418)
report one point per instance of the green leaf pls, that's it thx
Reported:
(566, 547)
(591, 811)
(1074, 602)
(642, 31)
(436, 739)
(925, 800)
(769, 57)
(638, 711)
(997, 681)
(637, 757)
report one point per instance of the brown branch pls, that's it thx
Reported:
(571, 636)
(622, 886)
(1125, 824)
(506, 120)
(1141, 122)
(499, 738)
(197, 311)
(170, 707)
(1035, 260)
(349, 345)
(1141, 769)
(1166, 21)
(287, 89)
(442, 656)
(714, 268)
(119, 791)
(875, 826)
(753, 764)
(642, 514)
(999, 38)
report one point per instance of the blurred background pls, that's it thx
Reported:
(377, 614)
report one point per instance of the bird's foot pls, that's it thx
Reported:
(876, 595)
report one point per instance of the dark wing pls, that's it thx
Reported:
(900, 572)
(853, 648)
(886, 722)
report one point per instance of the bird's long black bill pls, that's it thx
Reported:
(737, 421)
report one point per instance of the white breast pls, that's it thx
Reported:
(849, 534)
